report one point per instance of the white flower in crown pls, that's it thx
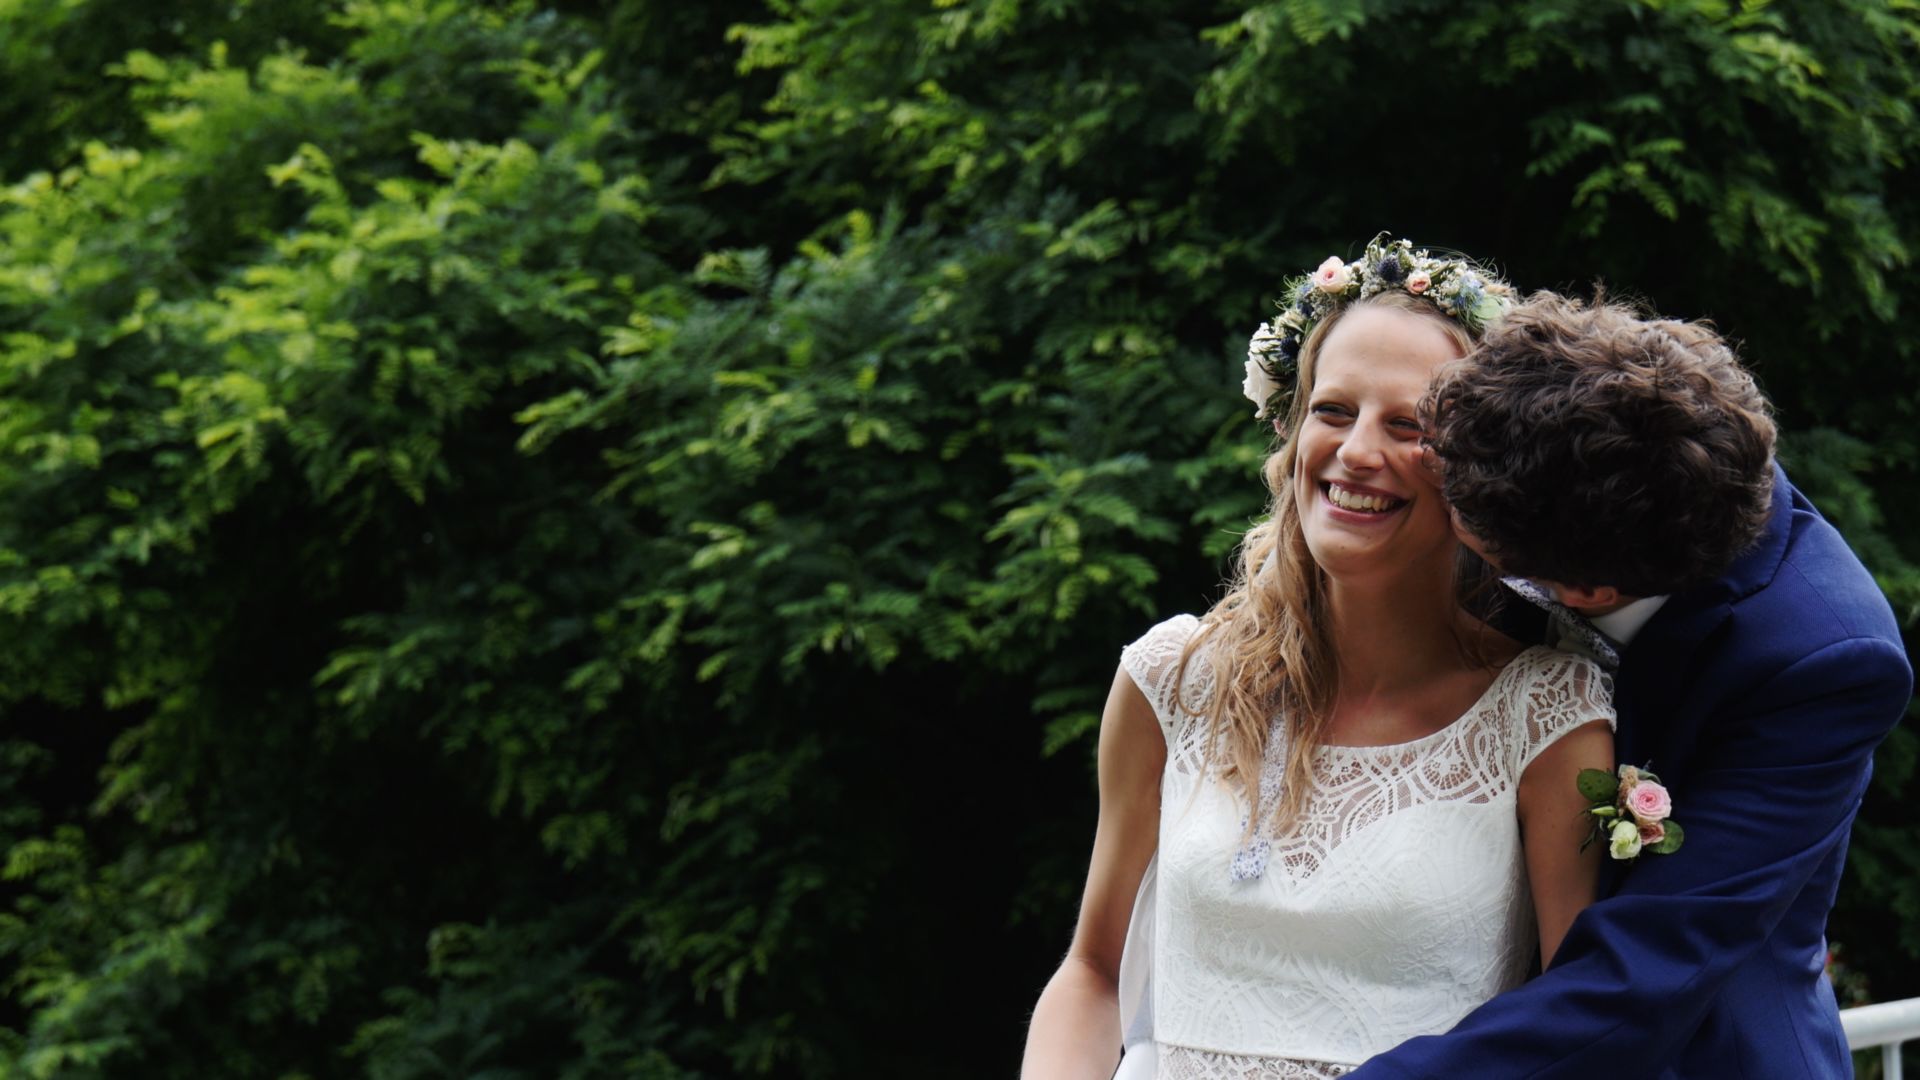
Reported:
(1259, 386)
(1264, 350)
(1266, 339)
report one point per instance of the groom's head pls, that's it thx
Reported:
(1605, 452)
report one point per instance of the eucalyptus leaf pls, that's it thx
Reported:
(1597, 785)
(1671, 842)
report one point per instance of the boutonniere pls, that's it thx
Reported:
(1632, 810)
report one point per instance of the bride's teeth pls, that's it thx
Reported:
(1350, 500)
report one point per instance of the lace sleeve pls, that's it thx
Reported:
(1561, 692)
(1153, 662)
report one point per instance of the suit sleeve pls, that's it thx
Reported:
(1637, 971)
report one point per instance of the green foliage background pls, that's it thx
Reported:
(588, 539)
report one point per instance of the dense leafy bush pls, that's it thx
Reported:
(589, 539)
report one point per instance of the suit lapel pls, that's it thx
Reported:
(1651, 692)
(1655, 679)
(1657, 690)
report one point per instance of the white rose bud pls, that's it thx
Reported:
(1626, 840)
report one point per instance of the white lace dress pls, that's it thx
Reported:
(1396, 905)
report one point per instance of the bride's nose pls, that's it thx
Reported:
(1364, 448)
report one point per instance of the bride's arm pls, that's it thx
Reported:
(1553, 825)
(1076, 1026)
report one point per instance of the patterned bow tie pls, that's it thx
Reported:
(1569, 622)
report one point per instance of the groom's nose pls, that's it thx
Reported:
(1472, 542)
(1436, 469)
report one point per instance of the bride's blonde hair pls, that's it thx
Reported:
(1268, 639)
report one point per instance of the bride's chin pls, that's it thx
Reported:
(1340, 564)
(1372, 562)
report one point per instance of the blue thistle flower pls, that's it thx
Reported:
(1466, 297)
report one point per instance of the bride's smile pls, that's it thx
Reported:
(1357, 499)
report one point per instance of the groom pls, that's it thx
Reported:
(1625, 466)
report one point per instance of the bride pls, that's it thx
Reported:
(1355, 802)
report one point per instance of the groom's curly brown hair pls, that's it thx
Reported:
(1589, 445)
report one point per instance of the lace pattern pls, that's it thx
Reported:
(1186, 1063)
(1539, 697)
(1392, 908)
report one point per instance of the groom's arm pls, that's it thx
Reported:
(1638, 971)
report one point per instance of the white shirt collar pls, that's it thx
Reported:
(1623, 624)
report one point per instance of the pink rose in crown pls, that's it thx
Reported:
(1419, 281)
(1652, 832)
(1649, 802)
(1332, 276)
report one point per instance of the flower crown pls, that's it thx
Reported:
(1458, 288)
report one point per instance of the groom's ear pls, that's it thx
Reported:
(1588, 599)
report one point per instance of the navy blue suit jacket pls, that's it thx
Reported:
(1759, 700)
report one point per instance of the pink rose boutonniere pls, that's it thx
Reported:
(1632, 810)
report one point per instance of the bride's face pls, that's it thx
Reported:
(1368, 504)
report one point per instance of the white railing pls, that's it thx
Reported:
(1885, 1026)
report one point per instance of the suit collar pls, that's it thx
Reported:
(1756, 567)
(1680, 619)
(1623, 625)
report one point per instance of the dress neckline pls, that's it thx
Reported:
(1433, 736)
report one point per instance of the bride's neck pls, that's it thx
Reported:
(1393, 632)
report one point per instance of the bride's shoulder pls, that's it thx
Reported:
(1175, 628)
(1154, 662)
(1546, 662)
(1164, 642)
(1541, 681)
(1552, 691)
